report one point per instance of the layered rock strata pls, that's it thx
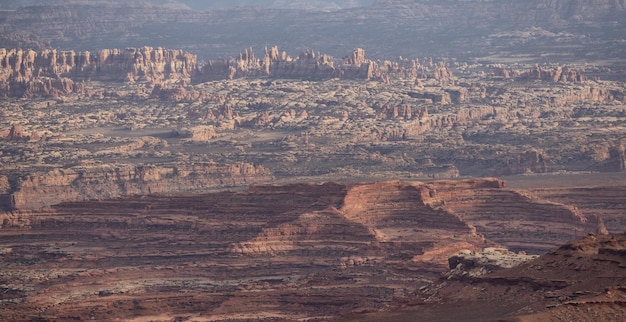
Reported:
(604, 202)
(276, 252)
(547, 221)
(87, 182)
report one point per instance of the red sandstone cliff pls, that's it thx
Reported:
(294, 250)
(414, 218)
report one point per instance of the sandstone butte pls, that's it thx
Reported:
(300, 251)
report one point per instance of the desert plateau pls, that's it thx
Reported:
(364, 160)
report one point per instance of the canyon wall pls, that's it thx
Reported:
(282, 250)
(87, 182)
(464, 210)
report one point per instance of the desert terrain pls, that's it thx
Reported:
(375, 160)
(309, 251)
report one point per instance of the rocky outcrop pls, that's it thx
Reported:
(474, 264)
(403, 112)
(86, 182)
(16, 133)
(315, 66)
(529, 162)
(442, 74)
(580, 281)
(578, 87)
(585, 273)
(586, 94)
(179, 93)
(196, 133)
(356, 66)
(275, 64)
(617, 157)
(549, 74)
(131, 64)
(53, 73)
(434, 97)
